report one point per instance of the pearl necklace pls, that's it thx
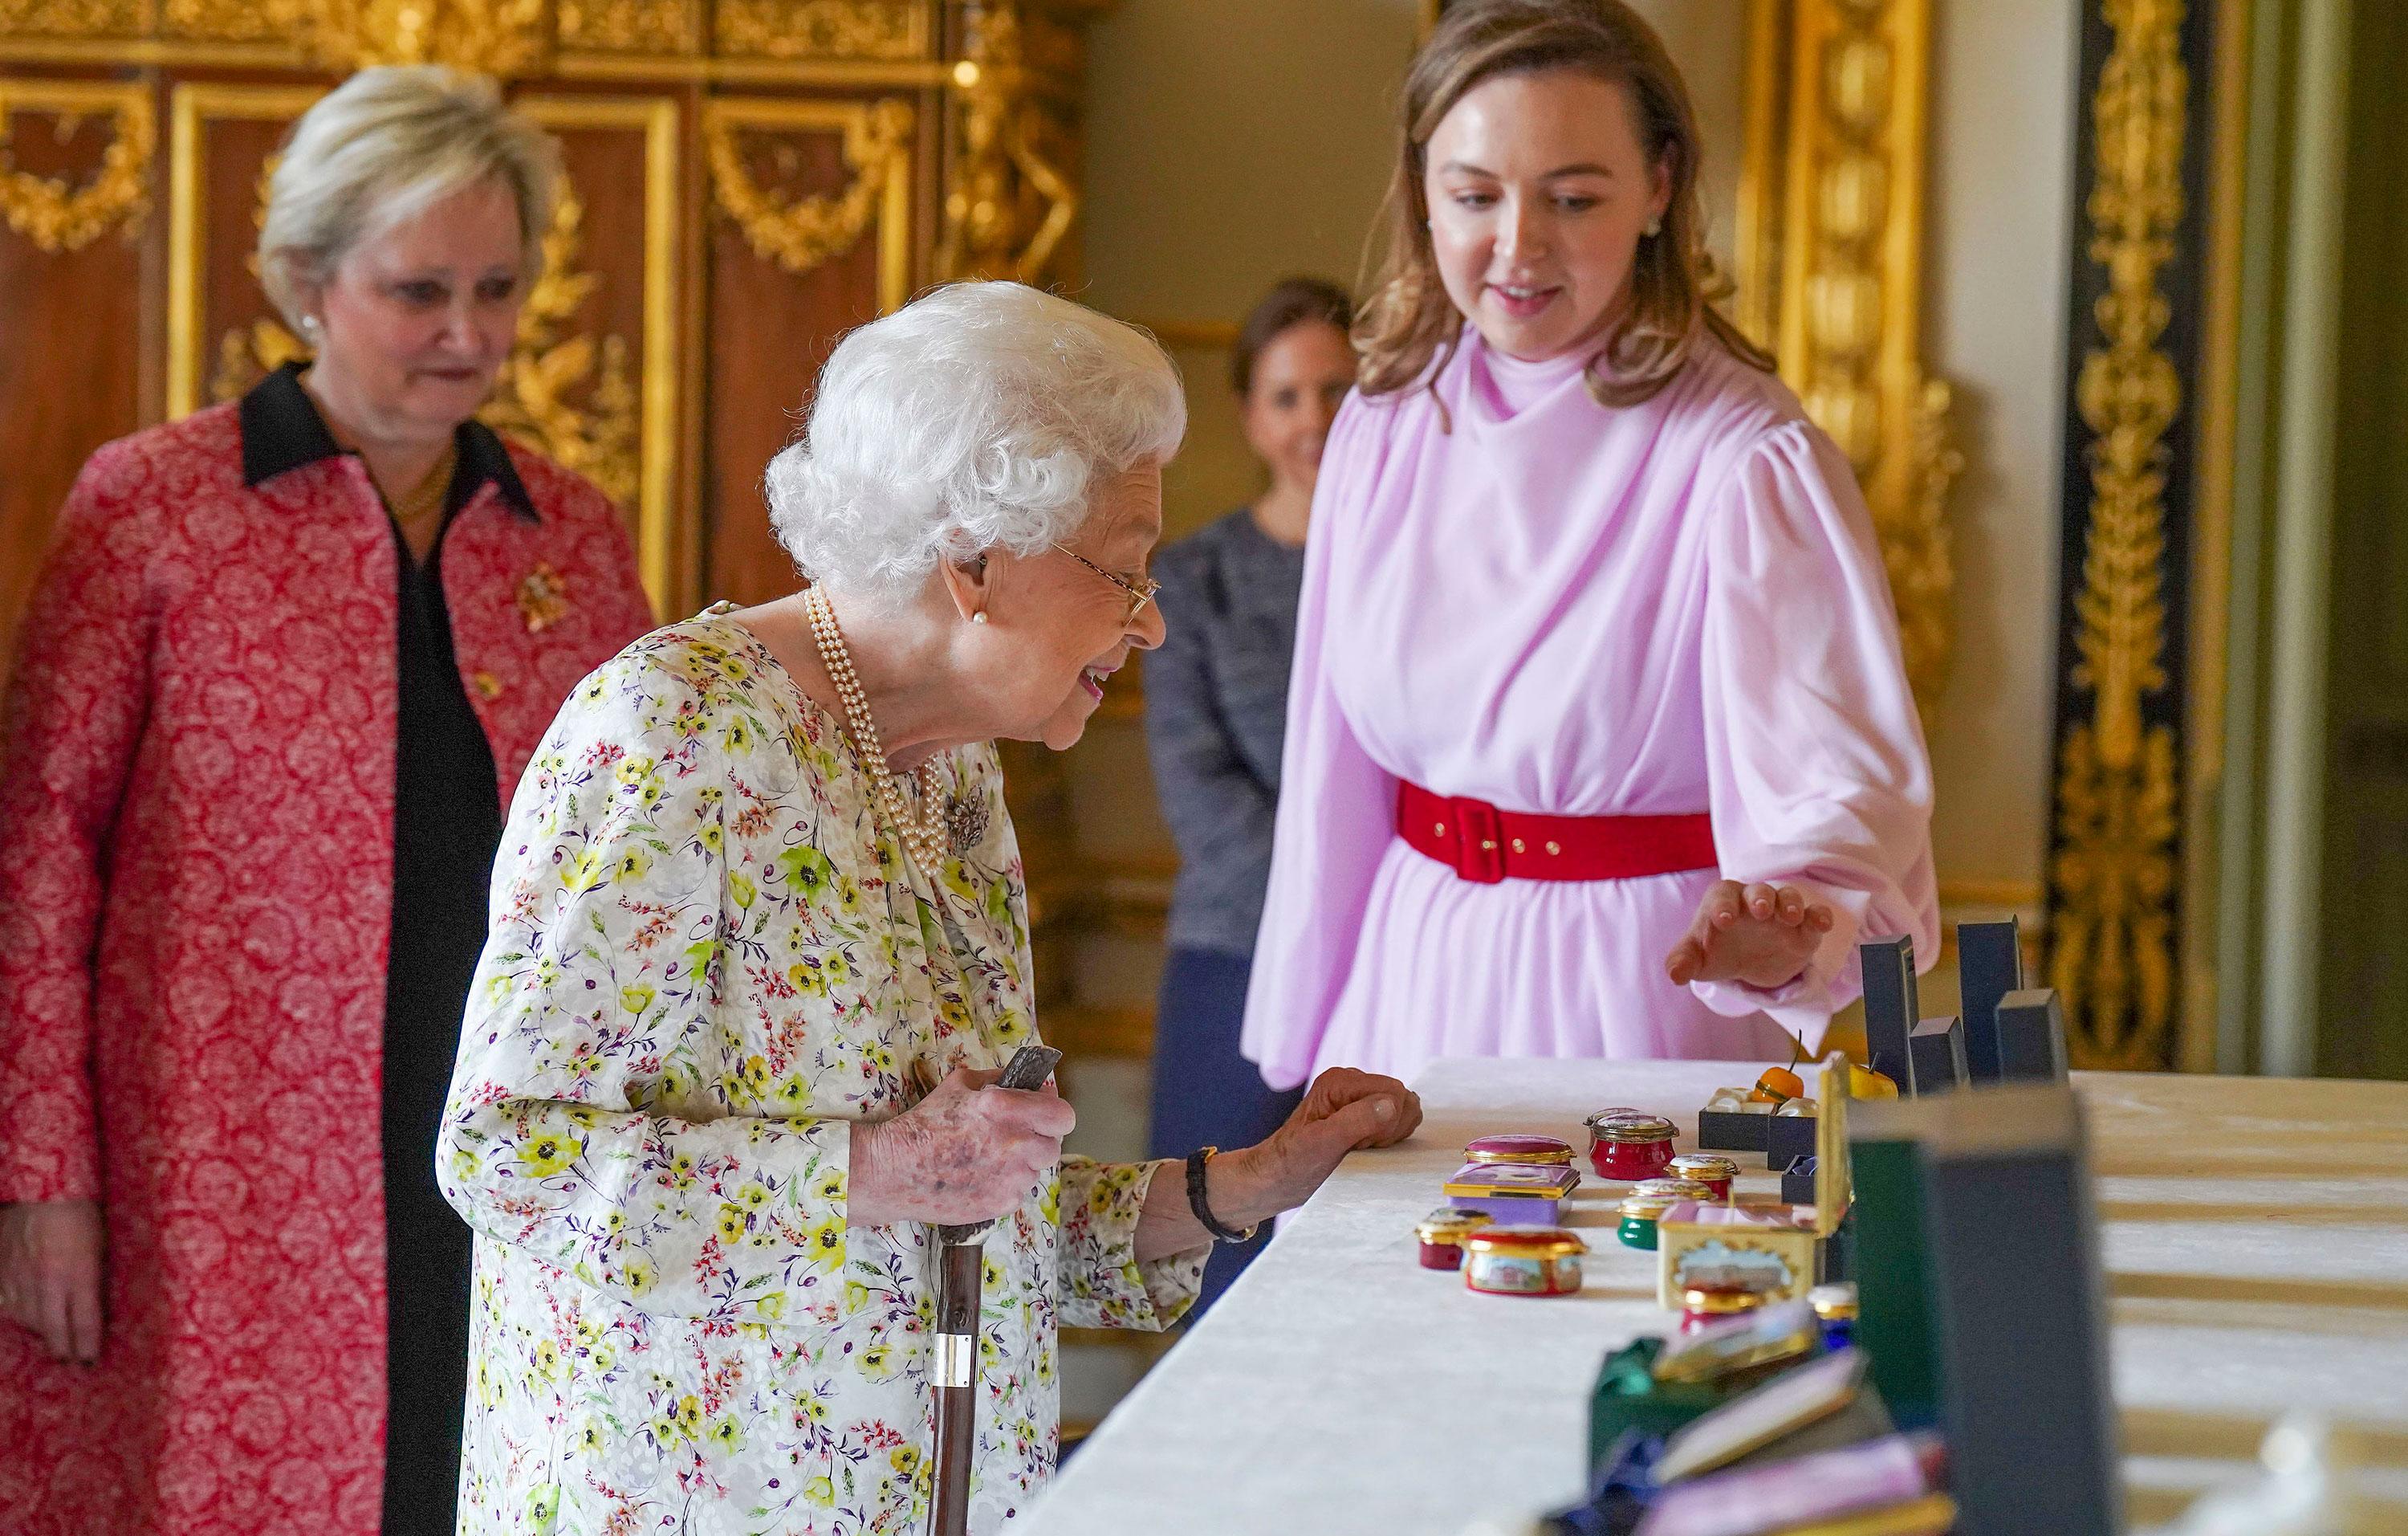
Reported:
(926, 834)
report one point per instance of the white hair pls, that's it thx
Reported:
(980, 416)
(380, 148)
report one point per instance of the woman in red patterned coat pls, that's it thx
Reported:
(279, 679)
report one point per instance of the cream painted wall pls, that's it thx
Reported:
(1233, 143)
(1995, 297)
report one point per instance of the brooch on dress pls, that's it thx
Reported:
(966, 819)
(543, 599)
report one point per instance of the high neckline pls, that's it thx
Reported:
(1512, 385)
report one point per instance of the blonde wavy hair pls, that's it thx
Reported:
(380, 148)
(1409, 319)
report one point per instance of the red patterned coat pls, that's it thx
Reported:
(196, 802)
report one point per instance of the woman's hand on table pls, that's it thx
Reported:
(49, 1273)
(1344, 1110)
(1760, 936)
(969, 1152)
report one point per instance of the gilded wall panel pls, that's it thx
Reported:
(809, 232)
(2118, 841)
(822, 29)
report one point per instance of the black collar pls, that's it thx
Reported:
(281, 430)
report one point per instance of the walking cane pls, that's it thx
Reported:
(960, 1279)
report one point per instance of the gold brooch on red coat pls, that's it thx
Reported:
(543, 599)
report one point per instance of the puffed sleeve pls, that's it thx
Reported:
(592, 1120)
(1103, 1283)
(1337, 808)
(1814, 750)
(68, 734)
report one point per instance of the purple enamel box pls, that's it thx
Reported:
(1512, 1194)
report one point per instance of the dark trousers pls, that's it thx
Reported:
(1205, 1093)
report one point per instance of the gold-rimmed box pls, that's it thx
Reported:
(1773, 1247)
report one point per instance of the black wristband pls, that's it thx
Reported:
(1195, 1201)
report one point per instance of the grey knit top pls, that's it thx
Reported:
(1216, 714)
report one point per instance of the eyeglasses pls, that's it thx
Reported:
(1140, 593)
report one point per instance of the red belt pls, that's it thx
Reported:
(1482, 843)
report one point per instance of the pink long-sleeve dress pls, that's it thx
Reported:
(1555, 606)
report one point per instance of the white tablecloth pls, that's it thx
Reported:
(2256, 1237)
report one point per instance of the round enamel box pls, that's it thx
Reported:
(1647, 1203)
(1441, 1235)
(1710, 1169)
(1629, 1145)
(1519, 1148)
(1523, 1261)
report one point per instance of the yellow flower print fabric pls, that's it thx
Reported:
(708, 959)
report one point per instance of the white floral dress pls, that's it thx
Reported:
(708, 958)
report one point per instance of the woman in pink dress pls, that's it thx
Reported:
(1598, 742)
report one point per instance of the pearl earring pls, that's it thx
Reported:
(1655, 227)
(979, 617)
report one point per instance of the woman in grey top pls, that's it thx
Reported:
(1216, 710)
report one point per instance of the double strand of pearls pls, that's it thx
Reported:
(924, 836)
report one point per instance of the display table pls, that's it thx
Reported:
(2256, 1236)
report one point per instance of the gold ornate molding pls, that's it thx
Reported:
(490, 36)
(1830, 259)
(801, 235)
(58, 217)
(1012, 199)
(822, 29)
(631, 26)
(795, 41)
(72, 17)
(2118, 805)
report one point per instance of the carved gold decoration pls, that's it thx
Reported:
(490, 36)
(2112, 943)
(801, 235)
(493, 36)
(629, 26)
(883, 43)
(47, 210)
(1010, 202)
(72, 17)
(551, 394)
(822, 29)
(1831, 244)
(232, 21)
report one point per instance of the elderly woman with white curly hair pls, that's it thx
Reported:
(760, 945)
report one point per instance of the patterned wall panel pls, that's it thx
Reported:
(2129, 499)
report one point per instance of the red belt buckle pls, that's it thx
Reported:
(1479, 849)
